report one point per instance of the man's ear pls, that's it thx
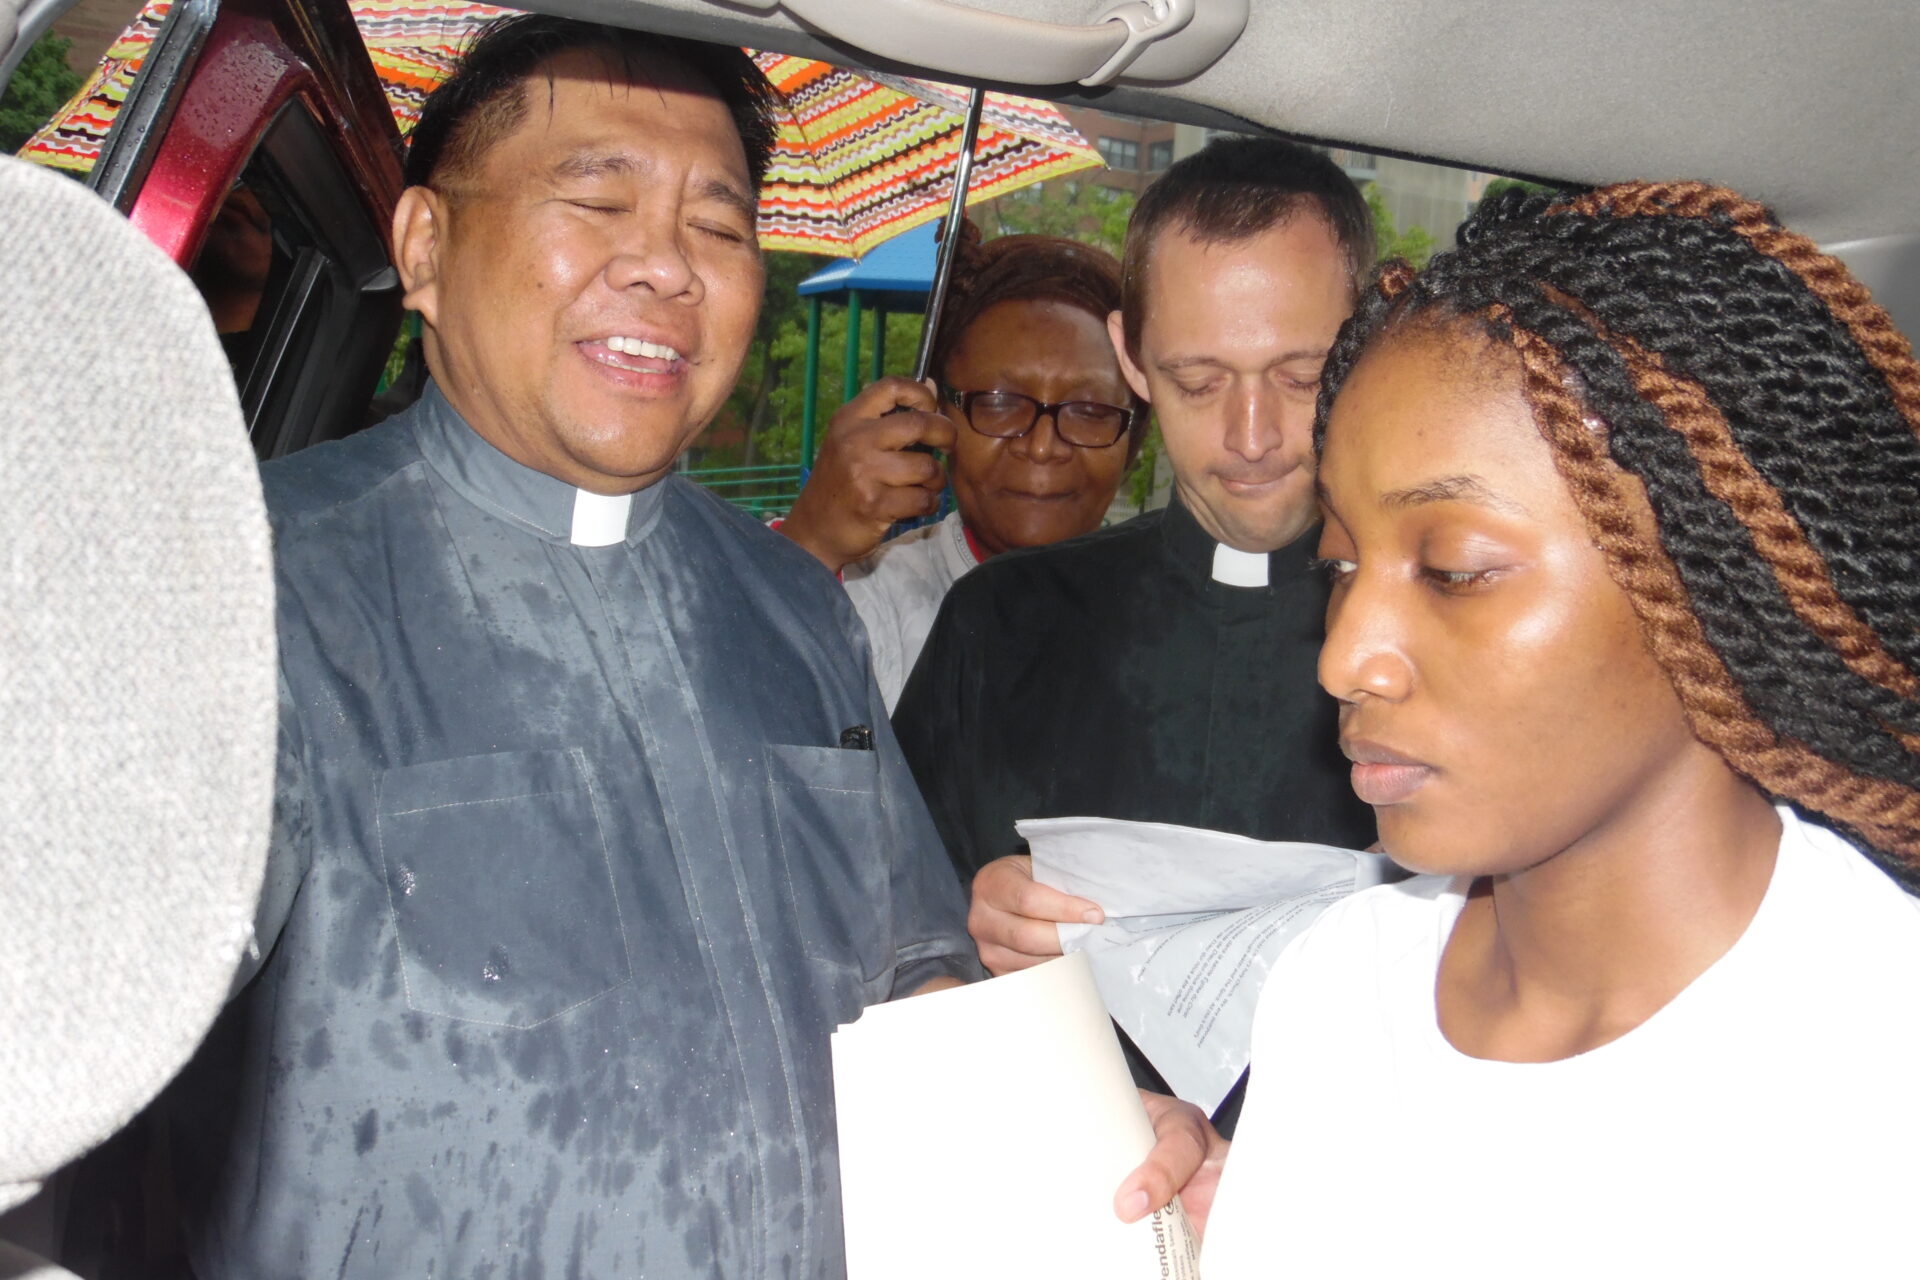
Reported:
(1117, 334)
(419, 229)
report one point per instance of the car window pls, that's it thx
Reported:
(294, 270)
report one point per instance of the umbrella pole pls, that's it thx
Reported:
(950, 244)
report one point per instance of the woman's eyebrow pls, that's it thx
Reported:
(1455, 488)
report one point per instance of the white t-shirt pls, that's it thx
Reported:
(897, 591)
(1765, 1122)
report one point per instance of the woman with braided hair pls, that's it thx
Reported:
(1621, 504)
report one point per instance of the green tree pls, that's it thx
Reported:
(1076, 208)
(1415, 244)
(788, 402)
(768, 403)
(1498, 185)
(41, 85)
(781, 309)
(1138, 485)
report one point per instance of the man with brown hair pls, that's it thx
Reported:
(1163, 670)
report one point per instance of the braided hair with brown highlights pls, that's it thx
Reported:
(1771, 412)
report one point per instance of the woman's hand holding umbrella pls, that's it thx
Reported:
(867, 477)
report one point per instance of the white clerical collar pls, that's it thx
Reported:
(533, 500)
(599, 519)
(1235, 568)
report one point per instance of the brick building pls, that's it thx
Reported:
(1136, 151)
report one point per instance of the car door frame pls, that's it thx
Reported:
(227, 83)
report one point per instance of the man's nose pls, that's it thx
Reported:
(1364, 655)
(654, 253)
(1255, 423)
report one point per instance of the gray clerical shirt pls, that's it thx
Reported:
(572, 879)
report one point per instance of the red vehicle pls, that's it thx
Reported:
(258, 150)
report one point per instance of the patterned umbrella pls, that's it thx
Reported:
(866, 157)
(859, 158)
(71, 140)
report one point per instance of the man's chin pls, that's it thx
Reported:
(619, 466)
(1264, 518)
(623, 449)
(622, 475)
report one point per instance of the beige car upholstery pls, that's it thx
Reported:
(1811, 108)
(137, 676)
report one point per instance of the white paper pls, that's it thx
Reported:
(1195, 920)
(985, 1130)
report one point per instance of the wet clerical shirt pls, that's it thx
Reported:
(590, 830)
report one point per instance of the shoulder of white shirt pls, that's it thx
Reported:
(1838, 863)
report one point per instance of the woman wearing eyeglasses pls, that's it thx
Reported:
(1038, 424)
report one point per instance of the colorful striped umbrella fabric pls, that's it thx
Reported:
(413, 47)
(866, 157)
(859, 158)
(71, 140)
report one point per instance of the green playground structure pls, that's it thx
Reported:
(893, 277)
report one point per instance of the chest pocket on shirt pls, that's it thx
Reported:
(833, 857)
(502, 887)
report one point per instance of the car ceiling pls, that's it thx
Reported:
(1811, 107)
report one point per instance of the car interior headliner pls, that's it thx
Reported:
(1812, 108)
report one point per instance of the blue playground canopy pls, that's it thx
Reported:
(896, 275)
(898, 272)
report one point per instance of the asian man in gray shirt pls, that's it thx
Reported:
(591, 826)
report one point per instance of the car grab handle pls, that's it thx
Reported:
(1146, 39)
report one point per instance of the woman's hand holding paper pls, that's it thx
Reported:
(1186, 1159)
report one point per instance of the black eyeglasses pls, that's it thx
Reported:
(1086, 424)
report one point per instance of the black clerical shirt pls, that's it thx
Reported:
(1110, 675)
